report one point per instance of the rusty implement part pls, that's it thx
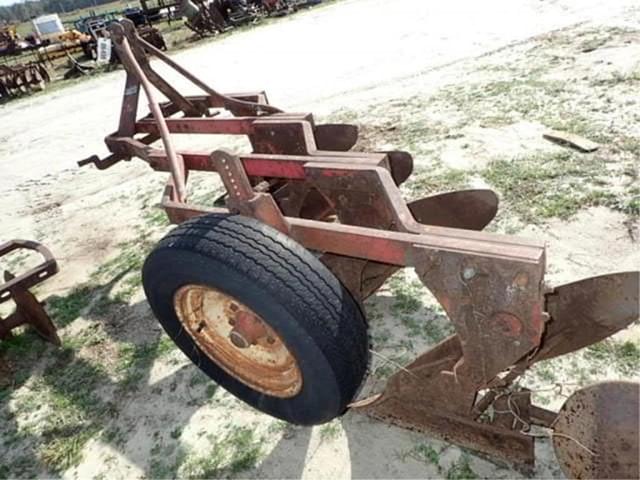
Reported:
(596, 434)
(428, 397)
(336, 136)
(242, 197)
(463, 209)
(29, 310)
(401, 165)
(306, 181)
(153, 36)
(467, 209)
(588, 311)
(19, 79)
(204, 17)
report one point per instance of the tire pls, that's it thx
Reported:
(291, 291)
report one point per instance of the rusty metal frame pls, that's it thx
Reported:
(33, 276)
(29, 311)
(491, 286)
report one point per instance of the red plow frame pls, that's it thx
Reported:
(302, 179)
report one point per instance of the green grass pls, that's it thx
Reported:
(65, 451)
(617, 78)
(68, 391)
(623, 356)
(134, 360)
(130, 258)
(461, 470)
(539, 186)
(428, 322)
(68, 18)
(496, 103)
(113, 283)
(279, 427)
(74, 411)
(23, 344)
(436, 179)
(330, 431)
(458, 470)
(407, 296)
(64, 309)
(237, 452)
(198, 378)
(68, 385)
(425, 453)
(545, 372)
(557, 185)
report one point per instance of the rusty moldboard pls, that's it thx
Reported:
(596, 432)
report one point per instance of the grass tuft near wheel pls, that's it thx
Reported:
(260, 315)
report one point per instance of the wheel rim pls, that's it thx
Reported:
(238, 340)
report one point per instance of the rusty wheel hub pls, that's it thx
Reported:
(238, 340)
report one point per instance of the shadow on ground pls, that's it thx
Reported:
(70, 394)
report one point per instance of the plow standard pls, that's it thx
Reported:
(264, 291)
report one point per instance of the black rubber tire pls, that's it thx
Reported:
(288, 287)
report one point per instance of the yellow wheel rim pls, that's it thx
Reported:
(238, 340)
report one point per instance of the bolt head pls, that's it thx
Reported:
(468, 273)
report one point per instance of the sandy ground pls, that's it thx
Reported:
(352, 57)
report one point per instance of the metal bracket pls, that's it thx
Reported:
(242, 197)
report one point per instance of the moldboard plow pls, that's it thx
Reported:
(264, 292)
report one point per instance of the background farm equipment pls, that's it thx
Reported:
(29, 311)
(159, 10)
(96, 27)
(217, 16)
(8, 39)
(277, 8)
(266, 295)
(205, 17)
(18, 79)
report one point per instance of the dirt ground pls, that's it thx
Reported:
(467, 87)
